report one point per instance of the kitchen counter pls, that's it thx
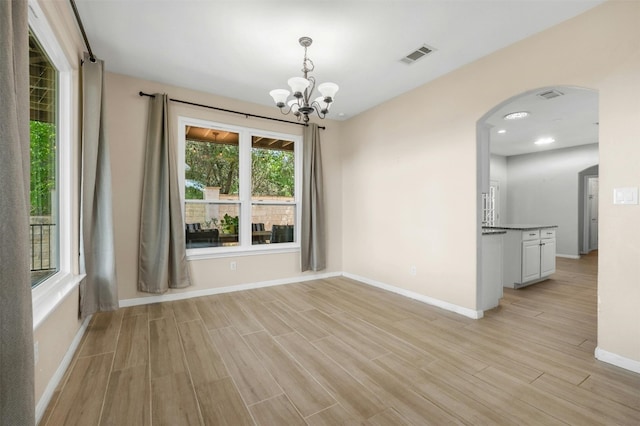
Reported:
(519, 227)
(529, 254)
(486, 231)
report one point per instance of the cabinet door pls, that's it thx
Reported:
(530, 260)
(547, 257)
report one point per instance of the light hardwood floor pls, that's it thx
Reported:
(336, 351)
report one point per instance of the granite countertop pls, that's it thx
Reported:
(519, 227)
(493, 231)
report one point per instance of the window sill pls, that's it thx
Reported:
(200, 254)
(47, 296)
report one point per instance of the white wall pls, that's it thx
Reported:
(543, 189)
(498, 172)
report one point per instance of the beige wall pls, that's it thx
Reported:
(421, 147)
(126, 126)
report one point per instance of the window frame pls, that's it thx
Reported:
(245, 245)
(47, 295)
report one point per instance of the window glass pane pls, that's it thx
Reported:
(44, 222)
(212, 164)
(211, 174)
(272, 169)
(272, 223)
(211, 224)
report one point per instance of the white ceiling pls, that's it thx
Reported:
(243, 49)
(570, 119)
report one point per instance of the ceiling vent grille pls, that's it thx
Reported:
(419, 53)
(550, 94)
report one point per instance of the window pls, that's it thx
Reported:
(241, 188)
(43, 220)
(51, 123)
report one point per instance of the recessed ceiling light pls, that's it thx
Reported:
(501, 131)
(516, 115)
(544, 141)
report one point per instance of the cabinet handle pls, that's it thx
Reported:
(531, 235)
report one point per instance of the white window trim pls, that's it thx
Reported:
(50, 293)
(245, 191)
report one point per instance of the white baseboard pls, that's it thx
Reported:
(45, 399)
(568, 256)
(617, 360)
(470, 313)
(210, 291)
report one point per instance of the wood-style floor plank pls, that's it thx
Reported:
(167, 356)
(212, 313)
(276, 411)
(334, 415)
(351, 394)
(128, 398)
(204, 361)
(303, 390)
(221, 404)
(133, 342)
(102, 333)
(80, 401)
(238, 317)
(297, 321)
(252, 378)
(173, 401)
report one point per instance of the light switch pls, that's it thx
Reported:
(625, 195)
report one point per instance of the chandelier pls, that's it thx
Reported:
(302, 88)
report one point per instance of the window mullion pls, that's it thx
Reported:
(245, 188)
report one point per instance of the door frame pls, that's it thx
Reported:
(583, 231)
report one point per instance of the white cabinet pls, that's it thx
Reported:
(529, 256)
(547, 256)
(530, 261)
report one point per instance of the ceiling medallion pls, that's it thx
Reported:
(302, 88)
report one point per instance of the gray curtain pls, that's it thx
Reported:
(162, 262)
(17, 406)
(99, 290)
(313, 251)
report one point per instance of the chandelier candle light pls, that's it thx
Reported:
(302, 88)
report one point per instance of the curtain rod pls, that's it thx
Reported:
(246, 114)
(84, 34)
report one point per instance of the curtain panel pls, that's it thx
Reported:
(99, 289)
(162, 261)
(17, 401)
(313, 239)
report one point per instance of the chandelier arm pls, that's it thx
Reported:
(309, 91)
(318, 109)
(286, 110)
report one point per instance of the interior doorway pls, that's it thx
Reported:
(534, 144)
(592, 213)
(588, 210)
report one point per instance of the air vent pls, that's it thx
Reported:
(421, 52)
(550, 94)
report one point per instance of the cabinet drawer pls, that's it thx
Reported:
(547, 233)
(531, 235)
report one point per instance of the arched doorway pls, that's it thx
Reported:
(533, 159)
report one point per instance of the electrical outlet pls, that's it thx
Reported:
(413, 271)
(233, 266)
(36, 352)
